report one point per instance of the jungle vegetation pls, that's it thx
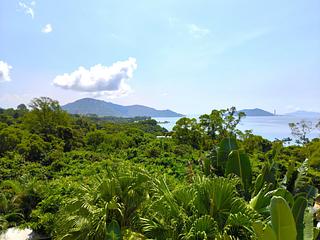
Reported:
(85, 177)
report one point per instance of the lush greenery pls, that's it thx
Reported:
(84, 177)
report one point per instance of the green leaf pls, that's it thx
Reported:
(298, 211)
(311, 191)
(259, 182)
(225, 147)
(282, 219)
(113, 231)
(316, 232)
(239, 164)
(308, 225)
(281, 192)
(260, 202)
(263, 232)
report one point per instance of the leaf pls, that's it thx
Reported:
(260, 202)
(239, 164)
(316, 232)
(311, 191)
(263, 232)
(204, 225)
(298, 211)
(259, 182)
(302, 178)
(308, 225)
(281, 192)
(282, 219)
(113, 231)
(225, 147)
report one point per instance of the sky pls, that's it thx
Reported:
(188, 56)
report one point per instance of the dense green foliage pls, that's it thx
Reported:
(84, 177)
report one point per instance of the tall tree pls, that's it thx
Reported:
(45, 116)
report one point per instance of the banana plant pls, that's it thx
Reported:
(282, 227)
(239, 164)
(298, 210)
(216, 161)
(228, 159)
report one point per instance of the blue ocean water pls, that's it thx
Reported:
(272, 127)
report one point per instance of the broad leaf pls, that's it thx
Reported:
(263, 232)
(239, 164)
(225, 147)
(298, 211)
(308, 225)
(113, 231)
(282, 219)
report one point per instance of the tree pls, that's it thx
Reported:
(45, 117)
(33, 148)
(187, 131)
(22, 107)
(94, 139)
(221, 123)
(300, 130)
(9, 138)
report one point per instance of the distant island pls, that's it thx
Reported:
(304, 114)
(256, 112)
(163, 122)
(87, 106)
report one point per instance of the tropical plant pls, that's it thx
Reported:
(209, 208)
(104, 208)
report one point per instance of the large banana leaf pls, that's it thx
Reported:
(263, 232)
(282, 219)
(281, 192)
(261, 202)
(308, 232)
(298, 211)
(225, 147)
(239, 164)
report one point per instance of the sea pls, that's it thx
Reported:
(269, 127)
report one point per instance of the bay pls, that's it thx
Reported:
(270, 127)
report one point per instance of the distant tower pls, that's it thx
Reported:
(274, 112)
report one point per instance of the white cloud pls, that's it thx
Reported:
(47, 28)
(8, 100)
(28, 8)
(5, 72)
(100, 80)
(197, 31)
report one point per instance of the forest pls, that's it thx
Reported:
(80, 177)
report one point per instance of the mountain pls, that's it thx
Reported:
(256, 112)
(103, 108)
(304, 114)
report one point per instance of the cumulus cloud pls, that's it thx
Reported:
(4, 71)
(100, 80)
(28, 8)
(47, 28)
(197, 31)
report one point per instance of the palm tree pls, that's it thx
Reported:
(21, 196)
(208, 209)
(103, 209)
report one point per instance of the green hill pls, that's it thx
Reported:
(103, 108)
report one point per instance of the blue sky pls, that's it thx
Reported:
(188, 56)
